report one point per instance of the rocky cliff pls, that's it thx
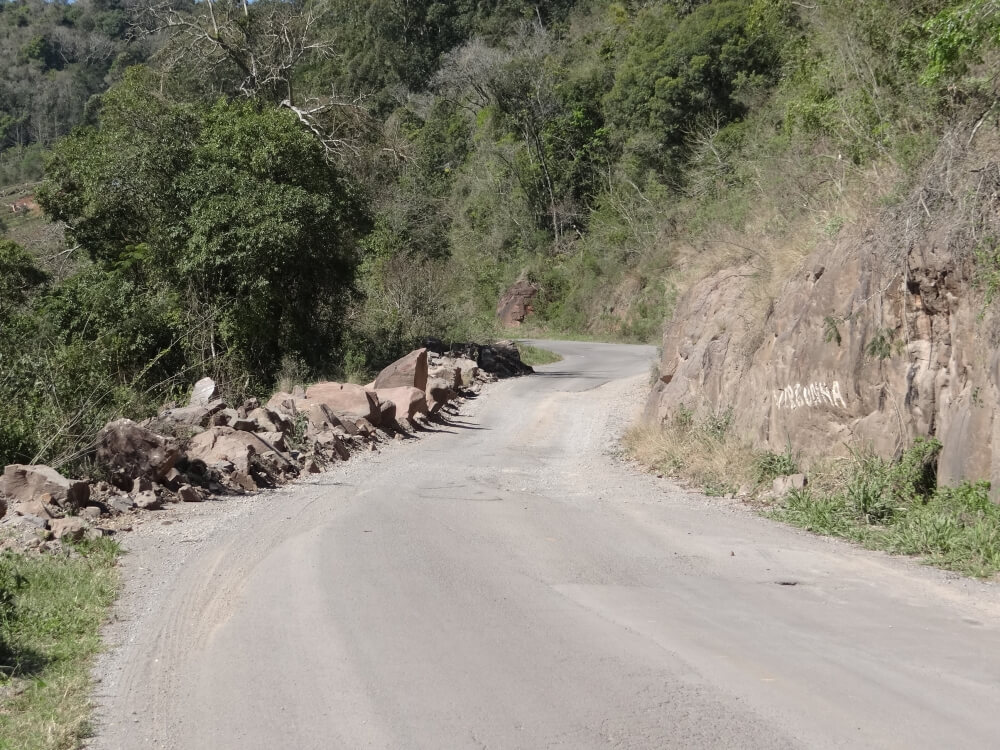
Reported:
(881, 335)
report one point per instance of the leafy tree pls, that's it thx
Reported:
(232, 206)
(679, 67)
(20, 277)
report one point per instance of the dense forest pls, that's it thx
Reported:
(274, 190)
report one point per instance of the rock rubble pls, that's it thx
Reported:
(188, 454)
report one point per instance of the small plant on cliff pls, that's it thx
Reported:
(770, 465)
(831, 330)
(880, 346)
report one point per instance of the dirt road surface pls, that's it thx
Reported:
(509, 583)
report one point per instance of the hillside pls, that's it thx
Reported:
(288, 190)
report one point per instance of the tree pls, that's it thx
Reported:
(232, 206)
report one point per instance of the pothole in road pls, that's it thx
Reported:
(787, 583)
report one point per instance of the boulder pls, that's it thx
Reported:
(319, 415)
(347, 400)
(331, 444)
(503, 360)
(468, 369)
(446, 371)
(33, 508)
(276, 439)
(71, 528)
(224, 418)
(148, 500)
(781, 486)
(189, 494)
(409, 402)
(242, 480)
(365, 428)
(516, 303)
(198, 415)
(127, 451)
(27, 483)
(226, 444)
(409, 371)
(205, 391)
(270, 420)
(387, 412)
(284, 403)
(439, 392)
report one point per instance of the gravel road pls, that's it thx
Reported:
(510, 583)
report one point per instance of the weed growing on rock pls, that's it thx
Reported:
(770, 465)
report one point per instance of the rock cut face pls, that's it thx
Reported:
(867, 345)
(516, 304)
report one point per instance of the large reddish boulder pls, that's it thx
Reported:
(24, 484)
(344, 399)
(407, 372)
(439, 392)
(220, 444)
(409, 402)
(128, 451)
(516, 303)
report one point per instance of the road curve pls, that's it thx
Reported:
(509, 584)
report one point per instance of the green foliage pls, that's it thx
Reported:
(51, 611)
(535, 356)
(20, 277)
(54, 56)
(769, 465)
(896, 506)
(831, 330)
(880, 345)
(678, 68)
(987, 257)
(958, 35)
(232, 207)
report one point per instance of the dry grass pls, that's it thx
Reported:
(706, 454)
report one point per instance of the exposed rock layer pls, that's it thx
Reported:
(878, 338)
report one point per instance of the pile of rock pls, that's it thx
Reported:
(189, 453)
(488, 361)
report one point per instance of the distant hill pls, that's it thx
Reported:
(54, 55)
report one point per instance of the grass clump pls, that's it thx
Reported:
(706, 451)
(703, 450)
(51, 610)
(768, 466)
(534, 356)
(896, 506)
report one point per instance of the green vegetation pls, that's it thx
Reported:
(289, 190)
(54, 56)
(895, 506)
(51, 610)
(533, 355)
(891, 505)
(703, 449)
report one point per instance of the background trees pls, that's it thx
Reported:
(295, 186)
